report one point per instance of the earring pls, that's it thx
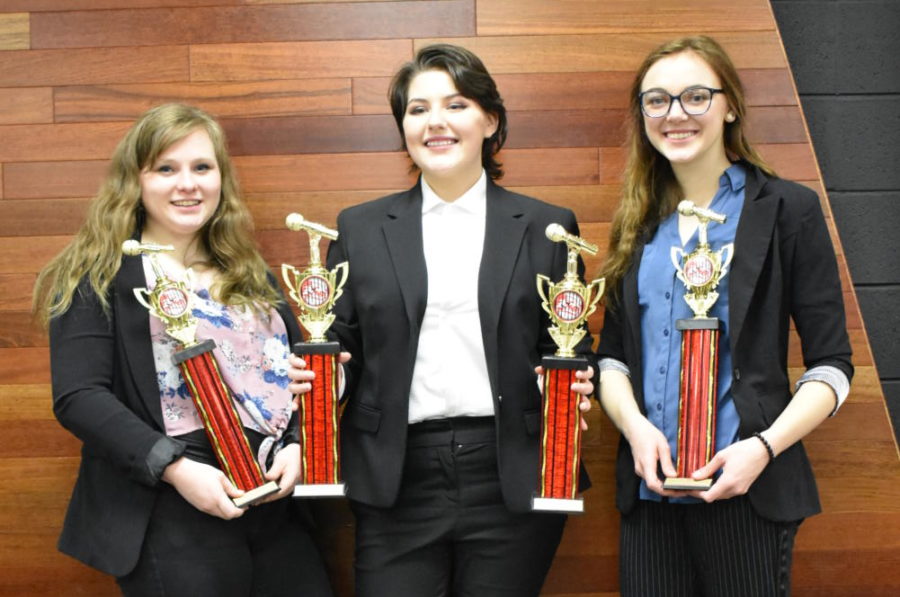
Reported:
(729, 117)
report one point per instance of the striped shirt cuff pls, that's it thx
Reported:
(832, 376)
(608, 364)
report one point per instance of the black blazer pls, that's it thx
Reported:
(379, 317)
(105, 392)
(784, 267)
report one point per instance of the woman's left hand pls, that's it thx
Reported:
(741, 464)
(584, 386)
(285, 470)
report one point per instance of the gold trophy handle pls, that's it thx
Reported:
(726, 253)
(140, 294)
(342, 269)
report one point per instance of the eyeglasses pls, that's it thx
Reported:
(656, 103)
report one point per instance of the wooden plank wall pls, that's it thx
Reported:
(300, 87)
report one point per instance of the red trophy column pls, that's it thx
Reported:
(568, 303)
(315, 289)
(700, 271)
(170, 301)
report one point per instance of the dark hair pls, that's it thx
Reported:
(471, 79)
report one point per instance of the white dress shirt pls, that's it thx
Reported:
(450, 377)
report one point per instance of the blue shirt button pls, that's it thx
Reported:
(665, 332)
(659, 406)
(668, 294)
(662, 369)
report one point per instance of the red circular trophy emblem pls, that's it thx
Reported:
(568, 305)
(173, 302)
(698, 271)
(315, 291)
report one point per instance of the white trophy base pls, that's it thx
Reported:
(542, 504)
(254, 495)
(320, 490)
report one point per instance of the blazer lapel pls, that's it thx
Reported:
(133, 322)
(751, 246)
(403, 234)
(503, 233)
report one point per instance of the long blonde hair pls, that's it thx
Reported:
(650, 191)
(116, 214)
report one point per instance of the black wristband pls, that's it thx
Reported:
(765, 443)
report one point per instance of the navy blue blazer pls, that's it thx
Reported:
(105, 392)
(784, 268)
(379, 318)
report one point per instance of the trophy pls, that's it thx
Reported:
(170, 301)
(569, 303)
(700, 270)
(315, 289)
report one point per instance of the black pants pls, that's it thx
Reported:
(722, 549)
(449, 532)
(264, 553)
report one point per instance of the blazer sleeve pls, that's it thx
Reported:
(345, 328)
(816, 298)
(83, 363)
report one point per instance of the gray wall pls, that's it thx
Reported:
(845, 56)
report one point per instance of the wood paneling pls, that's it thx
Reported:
(224, 99)
(24, 180)
(538, 17)
(300, 86)
(14, 31)
(94, 66)
(299, 60)
(243, 24)
(600, 52)
(78, 141)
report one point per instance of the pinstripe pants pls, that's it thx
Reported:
(722, 549)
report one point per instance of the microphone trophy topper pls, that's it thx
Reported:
(170, 301)
(315, 289)
(700, 270)
(569, 303)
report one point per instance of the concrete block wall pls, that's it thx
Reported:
(845, 56)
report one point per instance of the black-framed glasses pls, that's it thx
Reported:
(656, 103)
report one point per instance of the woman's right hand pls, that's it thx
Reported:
(650, 450)
(204, 487)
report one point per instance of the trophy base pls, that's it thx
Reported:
(254, 495)
(320, 490)
(687, 484)
(569, 506)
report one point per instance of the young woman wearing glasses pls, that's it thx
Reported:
(687, 141)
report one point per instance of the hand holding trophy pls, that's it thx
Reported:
(569, 303)
(315, 289)
(170, 301)
(701, 270)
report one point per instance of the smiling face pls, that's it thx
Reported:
(181, 190)
(444, 133)
(685, 140)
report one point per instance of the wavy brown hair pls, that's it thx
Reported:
(117, 214)
(473, 81)
(650, 192)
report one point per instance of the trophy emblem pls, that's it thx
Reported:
(569, 303)
(170, 301)
(700, 270)
(315, 290)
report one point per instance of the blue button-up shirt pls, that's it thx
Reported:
(661, 299)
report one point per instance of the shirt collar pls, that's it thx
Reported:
(473, 201)
(735, 176)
